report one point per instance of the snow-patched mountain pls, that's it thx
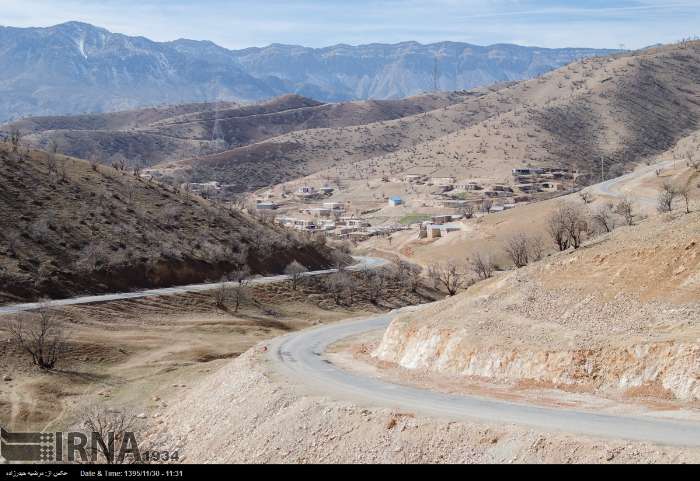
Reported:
(76, 67)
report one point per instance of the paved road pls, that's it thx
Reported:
(362, 262)
(613, 187)
(301, 356)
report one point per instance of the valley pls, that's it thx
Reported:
(508, 271)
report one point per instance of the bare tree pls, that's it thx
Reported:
(375, 284)
(557, 230)
(667, 195)
(684, 193)
(240, 290)
(42, 338)
(222, 294)
(295, 271)
(604, 218)
(536, 247)
(482, 265)
(340, 284)
(518, 249)
(409, 274)
(571, 220)
(468, 211)
(586, 197)
(625, 209)
(114, 435)
(446, 275)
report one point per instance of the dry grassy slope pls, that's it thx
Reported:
(103, 230)
(623, 108)
(296, 154)
(618, 314)
(150, 136)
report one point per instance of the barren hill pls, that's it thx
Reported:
(149, 136)
(615, 110)
(70, 227)
(617, 317)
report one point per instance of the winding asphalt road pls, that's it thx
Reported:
(362, 263)
(613, 187)
(301, 356)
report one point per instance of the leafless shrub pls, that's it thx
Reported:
(482, 265)
(557, 230)
(684, 193)
(666, 196)
(295, 270)
(446, 275)
(339, 285)
(518, 249)
(586, 197)
(111, 436)
(625, 209)
(567, 225)
(408, 274)
(604, 218)
(240, 290)
(468, 211)
(536, 246)
(42, 338)
(375, 282)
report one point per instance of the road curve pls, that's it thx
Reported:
(301, 356)
(362, 263)
(613, 187)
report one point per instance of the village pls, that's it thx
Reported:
(431, 205)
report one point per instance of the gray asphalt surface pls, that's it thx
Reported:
(301, 356)
(362, 262)
(611, 187)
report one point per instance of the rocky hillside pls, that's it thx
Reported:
(75, 67)
(72, 227)
(617, 317)
(618, 110)
(148, 136)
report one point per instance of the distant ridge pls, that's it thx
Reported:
(75, 68)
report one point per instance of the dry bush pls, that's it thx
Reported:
(625, 209)
(518, 249)
(42, 337)
(666, 196)
(112, 437)
(339, 285)
(604, 218)
(684, 193)
(408, 274)
(567, 225)
(295, 271)
(482, 265)
(446, 275)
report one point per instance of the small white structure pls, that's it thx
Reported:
(443, 181)
(266, 206)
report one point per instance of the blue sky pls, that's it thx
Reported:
(316, 23)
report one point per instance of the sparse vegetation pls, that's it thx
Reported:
(447, 276)
(39, 335)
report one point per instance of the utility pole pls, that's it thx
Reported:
(602, 176)
(435, 75)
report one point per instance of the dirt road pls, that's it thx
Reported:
(301, 356)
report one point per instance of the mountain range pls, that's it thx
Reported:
(75, 68)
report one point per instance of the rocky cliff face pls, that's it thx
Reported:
(75, 68)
